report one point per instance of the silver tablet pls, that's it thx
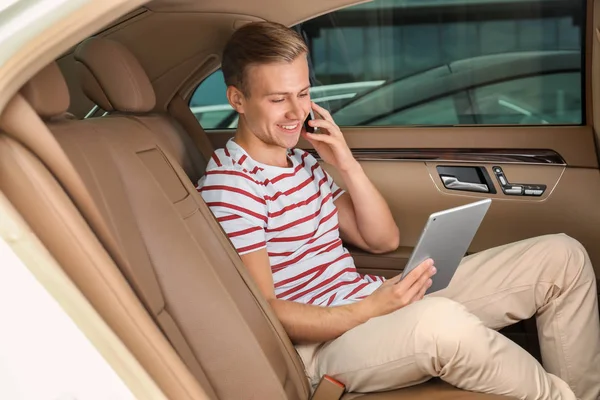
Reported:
(446, 239)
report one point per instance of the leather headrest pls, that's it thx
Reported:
(47, 92)
(112, 77)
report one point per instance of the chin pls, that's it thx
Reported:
(292, 142)
(288, 141)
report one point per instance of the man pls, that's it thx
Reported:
(287, 219)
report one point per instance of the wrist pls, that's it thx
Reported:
(363, 311)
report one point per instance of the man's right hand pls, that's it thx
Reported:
(394, 293)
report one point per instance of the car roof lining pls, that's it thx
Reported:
(179, 43)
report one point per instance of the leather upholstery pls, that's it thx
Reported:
(47, 92)
(122, 86)
(172, 136)
(112, 77)
(180, 110)
(176, 258)
(224, 332)
(34, 175)
(169, 238)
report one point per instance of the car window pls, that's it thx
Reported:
(209, 102)
(393, 62)
(439, 112)
(536, 100)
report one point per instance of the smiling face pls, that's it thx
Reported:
(273, 110)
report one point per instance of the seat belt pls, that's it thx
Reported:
(328, 389)
(182, 114)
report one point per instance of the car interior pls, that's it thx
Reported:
(106, 134)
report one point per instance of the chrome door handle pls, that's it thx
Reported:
(451, 182)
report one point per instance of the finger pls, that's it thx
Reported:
(426, 268)
(329, 126)
(417, 287)
(422, 291)
(318, 137)
(416, 273)
(322, 112)
(419, 296)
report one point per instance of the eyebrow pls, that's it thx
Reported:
(285, 93)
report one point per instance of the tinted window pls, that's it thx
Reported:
(439, 112)
(438, 62)
(542, 99)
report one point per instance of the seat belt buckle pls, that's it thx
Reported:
(328, 389)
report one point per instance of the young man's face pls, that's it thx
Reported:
(277, 102)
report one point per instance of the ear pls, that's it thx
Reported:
(236, 99)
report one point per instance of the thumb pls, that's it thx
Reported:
(390, 282)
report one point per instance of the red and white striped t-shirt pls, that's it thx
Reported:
(290, 211)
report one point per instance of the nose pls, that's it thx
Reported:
(296, 111)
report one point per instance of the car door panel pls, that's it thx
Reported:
(414, 191)
(387, 265)
(403, 164)
(574, 144)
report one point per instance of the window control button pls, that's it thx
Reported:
(514, 190)
(533, 192)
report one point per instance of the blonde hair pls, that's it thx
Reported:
(258, 43)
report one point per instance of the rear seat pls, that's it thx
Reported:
(114, 80)
(164, 240)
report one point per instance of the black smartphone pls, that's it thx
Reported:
(310, 129)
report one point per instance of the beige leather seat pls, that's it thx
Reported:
(131, 205)
(114, 80)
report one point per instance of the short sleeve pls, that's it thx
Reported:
(336, 191)
(235, 199)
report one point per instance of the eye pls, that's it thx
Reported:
(303, 95)
(277, 100)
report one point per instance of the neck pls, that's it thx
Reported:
(258, 150)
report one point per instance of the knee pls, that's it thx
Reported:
(567, 254)
(562, 243)
(447, 329)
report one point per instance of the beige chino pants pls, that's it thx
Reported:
(452, 334)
